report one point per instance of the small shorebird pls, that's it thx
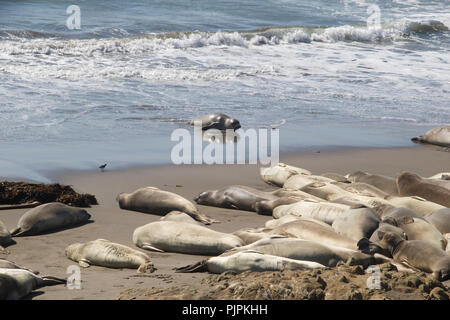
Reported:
(102, 167)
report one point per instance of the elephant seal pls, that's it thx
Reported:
(249, 261)
(278, 174)
(323, 211)
(398, 213)
(5, 237)
(308, 229)
(250, 235)
(49, 217)
(17, 283)
(182, 237)
(157, 201)
(419, 229)
(440, 219)
(306, 250)
(363, 189)
(272, 224)
(108, 254)
(266, 207)
(299, 181)
(357, 223)
(384, 183)
(371, 245)
(441, 176)
(234, 197)
(439, 136)
(325, 191)
(336, 177)
(410, 184)
(417, 254)
(179, 217)
(6, 264)
(417, 204)
(217, 121)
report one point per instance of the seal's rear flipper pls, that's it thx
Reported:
(147, 267)
(196, 267)
(52, 281)
(204, 219)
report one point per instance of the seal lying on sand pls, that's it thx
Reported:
(157, 201)
(278, 174)
(266, 207)
(357, 223)
(417, 254)
(107, 254)
(218, 121)
(323, 211)
(5, 236)
(179, 217)
(384, 183)
(418, 204)
(419, 229)
(234, 197)
(308, 229)
(6, 264)
(49, 217)
(410, 184)
(306, 250)
(249, 261)
(182, 237)
(438, 136)
(17, 283)
(440, 219)
(299, 181)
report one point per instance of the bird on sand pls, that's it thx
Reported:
(102, 167)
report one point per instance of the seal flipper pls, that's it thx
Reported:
(52, 281)
(17, 232)
(146, 246)
(201, 266)
(146, 267)
(84, 263)
(203, 218)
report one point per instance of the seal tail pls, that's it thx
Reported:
(196, 267)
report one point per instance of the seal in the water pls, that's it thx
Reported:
(17, 283)
(417, 254)
(384, 183)
(107, 254)
(249, 261)
(278, 174)
(410, 184)
(218, 121)
(49, 217)
(440, 219)
(157, 201)
(438, 136)
(182, 237)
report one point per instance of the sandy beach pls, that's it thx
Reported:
(45, 253)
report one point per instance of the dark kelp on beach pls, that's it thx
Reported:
(12, 193)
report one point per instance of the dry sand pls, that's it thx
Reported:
(45, 253)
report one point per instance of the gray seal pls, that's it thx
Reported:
(217, 121)
(48, 218)
(384, 183)
(5, 236)
(357, 223)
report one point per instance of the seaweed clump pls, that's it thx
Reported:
(22, 192)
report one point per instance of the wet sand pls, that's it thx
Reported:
(45, 253)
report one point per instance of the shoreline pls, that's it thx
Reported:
(45, 253)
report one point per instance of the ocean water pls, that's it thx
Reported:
(328, 72)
